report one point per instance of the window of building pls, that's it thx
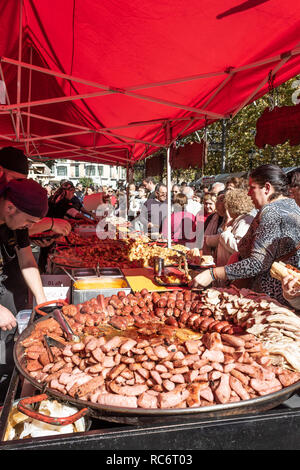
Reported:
(76, 171)
(62, 171)
(100, 170)
(112, 172)
(90, 170)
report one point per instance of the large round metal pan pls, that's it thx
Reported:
(253, 405)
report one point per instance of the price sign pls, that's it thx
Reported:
(56, 286)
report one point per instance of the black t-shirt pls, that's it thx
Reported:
(14, 238)
(9, 241)
(76, 202)
(60, 209)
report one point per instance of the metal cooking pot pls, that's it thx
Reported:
(96, 410)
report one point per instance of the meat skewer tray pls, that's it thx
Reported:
(108, 413)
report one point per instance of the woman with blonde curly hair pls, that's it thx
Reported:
(241, 211)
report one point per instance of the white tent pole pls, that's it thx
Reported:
(169, 195)
(19, 71)
(29, 99)
(168, 139)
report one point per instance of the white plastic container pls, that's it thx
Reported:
(23, 318)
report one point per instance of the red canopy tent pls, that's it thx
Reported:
(113, 82)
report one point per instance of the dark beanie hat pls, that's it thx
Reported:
(28, 196)
(14, 159)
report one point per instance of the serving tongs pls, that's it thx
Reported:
(98, 272)
(60, 318)
(50, 343)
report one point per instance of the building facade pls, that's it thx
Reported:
(101, 175)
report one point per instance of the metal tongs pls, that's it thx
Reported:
(98, 272)
(60, 318)
(50, 343)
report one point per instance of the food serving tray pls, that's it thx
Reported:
(45, 236)
(253, 405)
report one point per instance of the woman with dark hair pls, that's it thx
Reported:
(61, 206)
(274, 233)
(294, 184)
(183, 223)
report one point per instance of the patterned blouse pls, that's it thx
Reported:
(274, 232)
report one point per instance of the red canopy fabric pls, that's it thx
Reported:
(113, 82)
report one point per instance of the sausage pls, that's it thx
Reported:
(112, 343)
(179, 295)
(192, 318)
(212, 324)
(162, 303)
(147, 298)
(171, 321)
(198, 321)
(180, 304)
(238, 388)
(147, 400)
(118, 322)
(144, 292)
(128, 390)
(114, 301)
(176, 312)
(171, 303)
(110, 310)
(160, 312)
(171, 399)
(136, 309)
(206, 311)
(133, 302)
(69, 310)
(111, 399)
(220, 326)
(125, 301)
(205, 324)
(183, 318)
(235, 341)
(169, 312)
(127, 309)
(141, 303)
(223, 391)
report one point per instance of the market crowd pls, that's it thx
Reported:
(244, 224)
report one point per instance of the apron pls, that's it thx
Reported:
(6, 337)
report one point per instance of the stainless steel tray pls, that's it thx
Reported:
(254, 405)
(92, 272)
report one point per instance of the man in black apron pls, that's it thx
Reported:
(22, 203)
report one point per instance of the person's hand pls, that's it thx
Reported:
(203, 279)
(61, 226)
(290, 287)
(7, 320)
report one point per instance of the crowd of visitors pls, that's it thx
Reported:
(244, 224)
